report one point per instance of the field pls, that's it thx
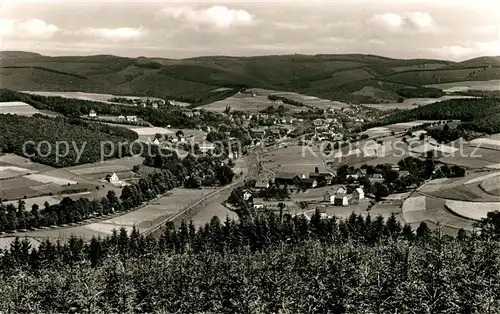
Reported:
(455, 203)
(18, 108)
(245, 102)
(490, 85)
(43, 180)
(296, 159)
(310, 101)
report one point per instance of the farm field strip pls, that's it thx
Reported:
(472, 210)
(42, 178)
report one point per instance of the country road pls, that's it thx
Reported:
(196, 209)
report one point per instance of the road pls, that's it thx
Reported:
(196, 210)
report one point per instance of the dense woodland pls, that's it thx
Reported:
(271, 265)
(481, 115)
(192, 172)
(81, 137)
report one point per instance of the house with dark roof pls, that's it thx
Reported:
(309, 183)
(288, 178)
(325, 177)
(262, 184)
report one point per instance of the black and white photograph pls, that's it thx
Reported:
(250, 157)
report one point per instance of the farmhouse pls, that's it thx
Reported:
(340, 200)
(262, 184)
(92, 113)
(287, 178)
(309, 183)
(325, 177)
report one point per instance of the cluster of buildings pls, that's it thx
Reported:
(93, 115)
(340, 197)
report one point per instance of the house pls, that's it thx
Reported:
(309, 183)
(361, 173)
(287, 178)
(154, 105)
(262, 184)
(121, 117)
(131, 118)
(341, 190)
(113, 178)
(328, 196)
(358, 194)
(376, 178)
(92, 113)
(156, 141)
(353, 176)
(340, 200)
(188, 114)
(247, 194)
(325, 177)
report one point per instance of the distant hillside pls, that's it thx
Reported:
(350, 78)
(17, 54)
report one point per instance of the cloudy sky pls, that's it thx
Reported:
(445, 29)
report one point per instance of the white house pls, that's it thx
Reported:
(156, 142)
(121, 117)
(92, 113)
(247, 195)
(113, 178)
(358, 194)
(154, 105)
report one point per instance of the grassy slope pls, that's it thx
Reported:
(338, 77)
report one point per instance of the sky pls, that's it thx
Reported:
(439, 29)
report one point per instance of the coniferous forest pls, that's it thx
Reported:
(269, 265)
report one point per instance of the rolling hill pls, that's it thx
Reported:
(351, 77)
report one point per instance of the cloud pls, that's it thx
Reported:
(490, 48)
(32, 28)
(120, 33)
(411, 21)
(216, 16)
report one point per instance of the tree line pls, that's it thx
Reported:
(272, 265)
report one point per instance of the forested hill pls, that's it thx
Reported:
(350, 77)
